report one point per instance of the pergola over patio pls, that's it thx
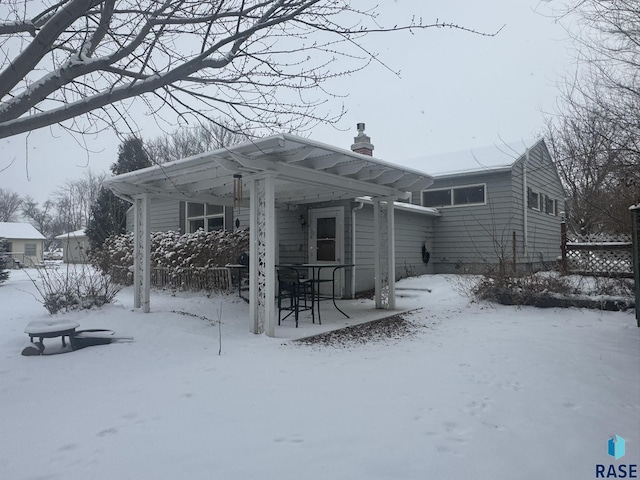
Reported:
(280, 169)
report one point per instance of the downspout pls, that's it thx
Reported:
(525, 233)
(353, 248)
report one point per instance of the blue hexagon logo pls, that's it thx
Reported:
(616, 447)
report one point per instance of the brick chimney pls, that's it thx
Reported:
(362, 143)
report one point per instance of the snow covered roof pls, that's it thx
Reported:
(77, 233)
(305, 171)
(489, 158)
(20, 231)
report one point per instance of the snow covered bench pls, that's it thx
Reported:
(42, 329)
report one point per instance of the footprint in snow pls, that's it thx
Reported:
(294, 439)
(108, 431)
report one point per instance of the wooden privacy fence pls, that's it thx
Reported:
(597, 255)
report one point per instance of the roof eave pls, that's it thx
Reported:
(466, 173)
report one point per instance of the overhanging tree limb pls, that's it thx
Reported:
(237, 54)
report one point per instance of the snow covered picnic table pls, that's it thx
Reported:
(51, 329)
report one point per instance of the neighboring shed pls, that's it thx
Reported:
(501, 206)
(25, 245)
(74, 246)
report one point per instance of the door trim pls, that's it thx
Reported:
(338, 213)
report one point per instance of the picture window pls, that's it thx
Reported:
(455, 196)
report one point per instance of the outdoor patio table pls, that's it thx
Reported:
(51, 329)
(316, 269)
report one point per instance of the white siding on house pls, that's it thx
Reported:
(364, 254)
(543, 238)
(470, 239)
(28, 252)
(292, 237)
(411, 232)
(165, 215)
(75, 246)
(75, 249)
(26, 244)
(467, 238)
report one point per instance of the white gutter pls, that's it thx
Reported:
(353, 248)
(408, 207)
(525, 221)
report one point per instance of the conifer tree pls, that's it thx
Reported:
(4, 261)
(109, 213)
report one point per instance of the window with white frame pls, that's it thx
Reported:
(533, 199)
(455, 196)
(204, 216)
(550, 205)
(30, 249)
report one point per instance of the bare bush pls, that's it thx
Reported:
(550, 289)
(74, 288)
(497, 287)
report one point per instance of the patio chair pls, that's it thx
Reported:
(298, 290)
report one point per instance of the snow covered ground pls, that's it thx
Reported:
(479, 392)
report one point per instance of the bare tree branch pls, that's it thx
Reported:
(596, 135)
(74, 61)
(10, 203)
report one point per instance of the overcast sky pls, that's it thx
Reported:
(455, 91)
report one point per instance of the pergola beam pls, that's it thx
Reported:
(357, 187)
(350, 168)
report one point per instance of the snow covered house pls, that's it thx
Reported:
(25, 244)
(300, 199)
(74, 246)
(499, 205)
(307, 230)
(309, 202)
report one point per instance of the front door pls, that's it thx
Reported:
(326, 243)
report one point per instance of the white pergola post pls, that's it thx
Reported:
(262, 268)
(141, 253)
(384, 252)
(391, 254)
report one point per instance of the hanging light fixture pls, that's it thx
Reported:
(237, 190)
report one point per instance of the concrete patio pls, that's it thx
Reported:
(360, 311)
